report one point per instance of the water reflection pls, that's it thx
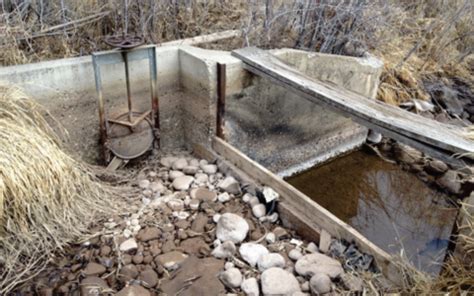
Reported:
(389, 206)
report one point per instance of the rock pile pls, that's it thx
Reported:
(193, 231)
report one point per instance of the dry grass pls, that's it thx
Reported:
(47, 199)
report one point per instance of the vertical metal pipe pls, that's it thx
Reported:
(221, 84)
(153, 87)
(102, 120)
(127, 81)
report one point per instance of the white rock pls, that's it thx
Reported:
(320, 283)
(296, 242)
(232, 278)
(295, 254)
(194, 162)
(147, 192)
(246, 197)
(216, 243)
(273, 217)
(259, 210)
(127, 233)
(183, 182)
(374, 137)
(230, 185)
(181, 215)
(224, 197)
(167, 161)
(179, 164)
(175, 204)
(270, 260)
(250, 287)
(146, 201)
(203, 162)
(190, 170)
(201, 178)
(305, 286)
(232, 227)
(269, 194)
(225, 250)
(270, 237)
(157, 187)
(253, 201)
(134, 222)
(228, 265)
(136, 229)
(277, 281)
(318, 263)
(128, 245)
(216, 217)
(209, 169)
(144, 184)
(251, 252)
(194, 204)
(312, 248)
(175, 174)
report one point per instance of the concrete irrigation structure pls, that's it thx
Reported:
(269, 131)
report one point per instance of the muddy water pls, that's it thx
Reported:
(389, 206)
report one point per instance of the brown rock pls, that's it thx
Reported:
(204, 271)
(436, 167)
(406, 154)
(92, 286)
(450, 181)
(168, 246)
(133, 291)
(182, 224)
(280, 233)
(105, 250)
(155, 250)
(203, 194)
(149, 233)
(137, 259)
(174, 257)
(94, 269)
(128, 272)
(149, 278)
(199, 223)
(195, 246)
(147, 259)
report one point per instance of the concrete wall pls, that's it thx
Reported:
(273, 126)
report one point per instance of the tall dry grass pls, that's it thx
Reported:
(47, 199)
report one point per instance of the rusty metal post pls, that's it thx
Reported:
(221, 85)
(102, 120)
(127, 81)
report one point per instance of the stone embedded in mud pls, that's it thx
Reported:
(277, 281)
(406, 154)
(128, 245)
(203, 194)
(225, 250)
(259, 210)
(318, 263)
(450, 181)
(230, 185)
(231, 278)
(183, 183)
(133, 291)
(267, 261)
(251, 252)
(320, 283)
(250, 287)
(232, 227)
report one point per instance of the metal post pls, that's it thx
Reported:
(127, 81)
(98, 87)
(221, 85)
(153, 82)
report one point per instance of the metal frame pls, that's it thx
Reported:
(125, 56)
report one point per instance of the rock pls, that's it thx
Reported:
(92, 286)
(318, 263)
(128, 272)
(225, 250)
(144, 184)
(251, 252)
(280, 233)
(270, 238)
(175, 204)
(250, 287)
(374, 137)
(201, 178)
(167, 161)
(253, 201)
(195, 245)
(203, 194)
(436, 167)
(190, 170)
(277, 281)
(267, 261)
(273, 217)
(93, 269)
(168, 246)
(216, 217)
(305, 286)
(313, 248)
(352, 283)
(175, 174)
(179, 164)
(231, 278)
(232, 227)
(203, 271)
(171, 258)
(224, 197)
(149, 233)
(230, 185)
(324, 241)
(149, 277)
(133, 291)
(259, 210)
(199, 223)
(209, 169)
(269, 194)
(450, 181)
(295, 254)
(194, 204)
(246, 197)
(157, 187)
(183, 183)
(406, 154)
(320, 283)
